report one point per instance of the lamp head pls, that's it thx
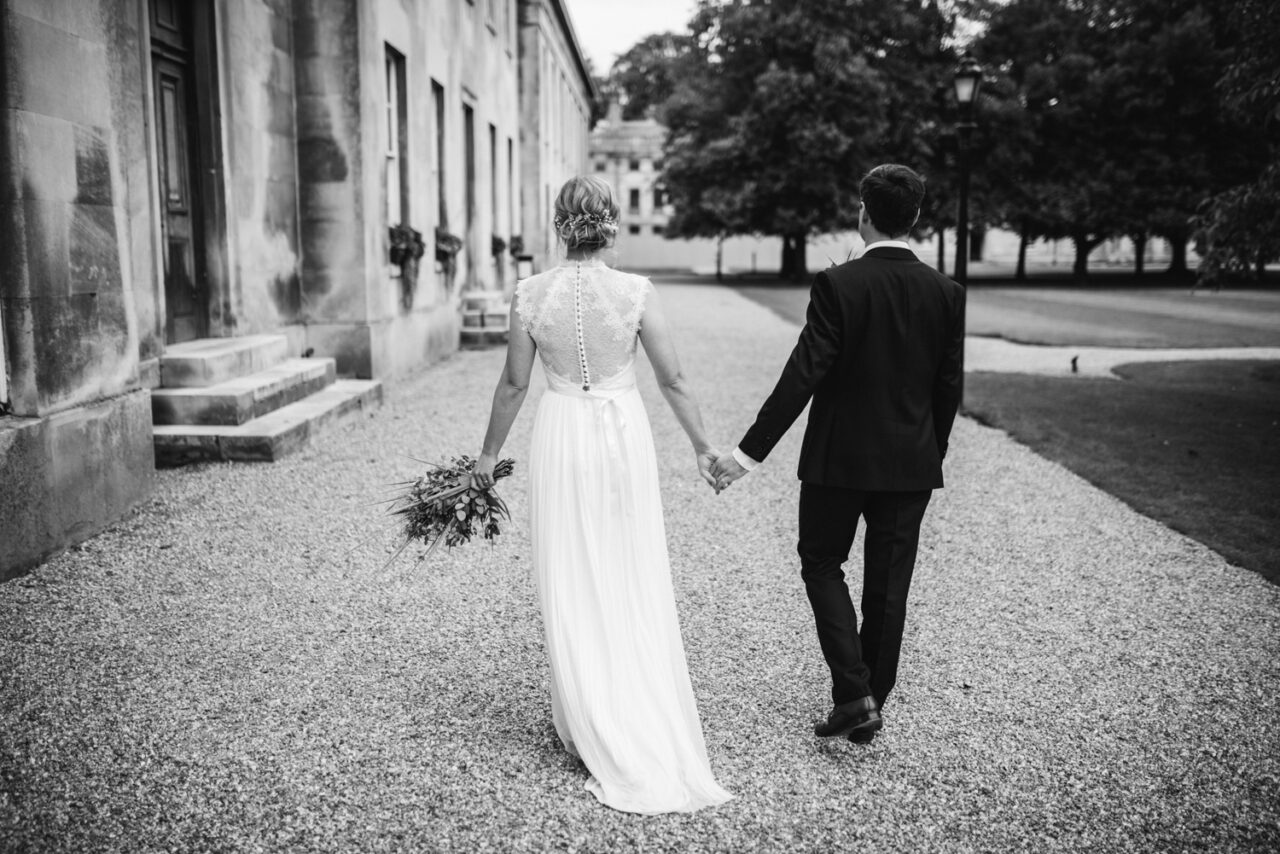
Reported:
(968, 80)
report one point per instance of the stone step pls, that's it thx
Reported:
(209, 361)
(245, 398)
(477, 318)
(478, 338)
(271, 436)
(484, 301)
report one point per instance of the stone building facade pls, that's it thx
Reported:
(187, 169)
(556, 92)
(628, 154)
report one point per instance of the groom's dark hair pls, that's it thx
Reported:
(892, 194)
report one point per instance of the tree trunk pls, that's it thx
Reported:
(719, 256)
(1021, 273)
(977, 240)
(801, 271)
(1080, 270)
(1178, 259)
(787, 268)
(1262, 266)
(942, 251)
(1139, 254)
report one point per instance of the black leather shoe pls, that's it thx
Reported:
(858, 720)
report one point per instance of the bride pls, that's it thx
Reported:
(620, 693)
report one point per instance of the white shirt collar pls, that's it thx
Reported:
(896, 244)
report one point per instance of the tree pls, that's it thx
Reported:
(784, 105)
(1127, 135)
(644, 77)
(1240, 226)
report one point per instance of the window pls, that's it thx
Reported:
(633, 165)
(493, 182)
(469, 152)
(601, 165)
(4, 371)
(659, 197)
(633, 229)
(633, 200)
(442, 212)
(395, 142)
(657, 165)
(657, 230)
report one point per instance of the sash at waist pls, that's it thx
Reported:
(609, 389)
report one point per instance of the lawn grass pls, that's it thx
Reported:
(1192, 444)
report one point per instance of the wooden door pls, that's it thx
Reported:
(185, 284)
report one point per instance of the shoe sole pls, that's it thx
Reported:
(869, 727)
(863, 733)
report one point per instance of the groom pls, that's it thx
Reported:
(880, 356)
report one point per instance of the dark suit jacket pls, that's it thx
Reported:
(880, 355)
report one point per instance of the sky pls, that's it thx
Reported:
(606, 28)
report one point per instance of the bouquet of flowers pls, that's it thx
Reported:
(441, 506)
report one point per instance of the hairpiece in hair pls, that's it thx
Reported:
(575, 221)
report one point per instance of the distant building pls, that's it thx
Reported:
(556, 92)
(628, 154)
(190, 169)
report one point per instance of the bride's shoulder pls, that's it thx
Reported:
(532, 284)
(631, 282)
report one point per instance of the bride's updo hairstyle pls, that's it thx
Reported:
(586, 214)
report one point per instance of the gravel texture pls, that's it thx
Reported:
(234, 667)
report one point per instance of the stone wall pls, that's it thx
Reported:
(356, 305)
(555, 111)
(76, 285)
(257, 72)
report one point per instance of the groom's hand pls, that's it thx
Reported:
(726, 470)
(706, 460)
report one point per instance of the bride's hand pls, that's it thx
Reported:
(706, 459)
(482, 474)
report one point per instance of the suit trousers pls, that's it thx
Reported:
(863, 663)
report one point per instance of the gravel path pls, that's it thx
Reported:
(234, 668)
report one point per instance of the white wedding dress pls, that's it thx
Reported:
(620, 692)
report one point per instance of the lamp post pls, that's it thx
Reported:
(968, 80)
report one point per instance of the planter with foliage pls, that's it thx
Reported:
(406, 246)
(447, 246)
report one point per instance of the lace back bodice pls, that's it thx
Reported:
(584, 318)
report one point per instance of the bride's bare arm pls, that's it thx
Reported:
(507, 398)
(655, 335)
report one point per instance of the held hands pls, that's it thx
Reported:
(707, 459)
(725, 471)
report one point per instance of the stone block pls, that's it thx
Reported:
(349, 344)
(209, 361)
(241, 400)
(44, 229)
(93, 250)
(271, 436)
(45, 154)
(83, 18)
(93, 167)
(57, 73)
(69, 475)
